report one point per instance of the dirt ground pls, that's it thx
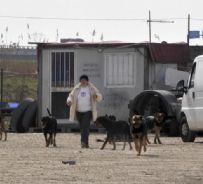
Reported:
(25, 159)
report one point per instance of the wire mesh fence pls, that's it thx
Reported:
(18, 80)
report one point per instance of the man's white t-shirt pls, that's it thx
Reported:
(83, 101)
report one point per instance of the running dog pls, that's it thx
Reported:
(114, 128)
(49, 127)
(139, 133)
(2, 129)
(155, 123)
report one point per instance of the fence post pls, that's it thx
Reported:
(1, 84)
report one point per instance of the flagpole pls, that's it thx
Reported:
(188, 34)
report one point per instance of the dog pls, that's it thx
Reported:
(114, 128)
(155, 123)
(2, 129)
(49, 127)
(139, 133)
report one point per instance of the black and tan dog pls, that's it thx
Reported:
(139, 133)
(155, 123)
(2, 129)
(114, 129)
(49, 127)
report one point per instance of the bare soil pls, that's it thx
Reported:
(25, 159)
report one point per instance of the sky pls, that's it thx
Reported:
(23, 21)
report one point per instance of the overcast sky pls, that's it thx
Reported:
(135, 30)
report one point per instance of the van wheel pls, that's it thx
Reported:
(186, 134)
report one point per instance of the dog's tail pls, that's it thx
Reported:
(49, 112)
(99, 140)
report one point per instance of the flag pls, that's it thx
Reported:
(157, 36)
(94, 33)
(102, 37)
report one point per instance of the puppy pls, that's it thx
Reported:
(2, 129)
(155, 123)
(114, 128)
(49, 127)
(139, 133)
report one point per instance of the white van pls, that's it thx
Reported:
(191, 117)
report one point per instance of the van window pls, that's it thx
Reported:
(192, 77)
(199, 76)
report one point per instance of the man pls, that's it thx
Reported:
(82, 101)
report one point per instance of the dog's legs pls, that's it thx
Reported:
(155, 140)
(136, 144)
(130, 145)
(46, 140)
(145, 143)
(124, 143)
(54, 141)
(104, 144)
(147, 139)
(140, 146)
(114, 144)
(5, 139)
(51, 138)
(155, 137)
(158, 135)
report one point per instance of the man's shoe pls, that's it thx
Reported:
(86, 146)
(83, 145)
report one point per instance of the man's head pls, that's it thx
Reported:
(84, 80)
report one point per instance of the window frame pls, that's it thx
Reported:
(192, 77)
(62, 87)
(133, 71)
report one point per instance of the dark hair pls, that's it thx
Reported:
(84, 77)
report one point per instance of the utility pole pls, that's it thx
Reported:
(155, 20)
(188, 28)
(150, 31)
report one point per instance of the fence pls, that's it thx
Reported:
(15, 87)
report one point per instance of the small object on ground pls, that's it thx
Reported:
(70, 162)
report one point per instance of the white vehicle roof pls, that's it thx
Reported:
(199, 58)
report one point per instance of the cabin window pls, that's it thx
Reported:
(62, 69)
(119, 70)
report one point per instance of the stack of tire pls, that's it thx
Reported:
(24, 116)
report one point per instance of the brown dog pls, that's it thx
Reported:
(139, 133)
(2, 129)
(155, 123)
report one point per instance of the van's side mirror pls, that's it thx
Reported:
(180, 88)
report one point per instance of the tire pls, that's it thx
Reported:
(17, 116)
(186, 134)
(173, 128)
(29, 118)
